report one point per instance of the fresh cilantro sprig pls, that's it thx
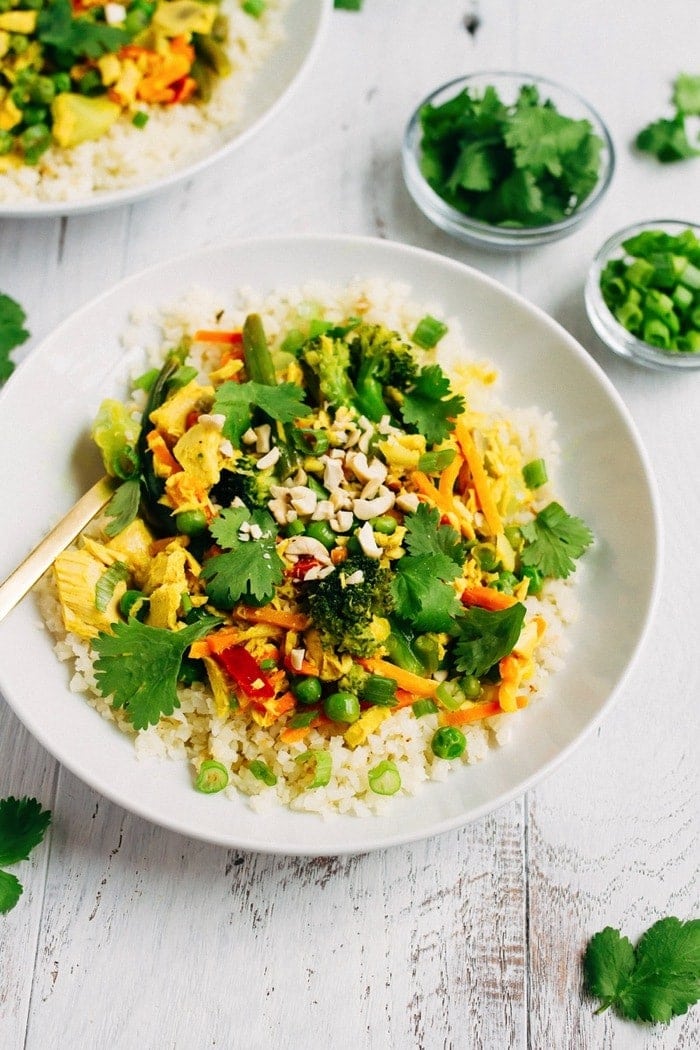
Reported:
(553, 540)
(284, 403)
(250, 568)
(667, 138)
(421, 586)
(656, 981)
(485, 637)
(123, 506)
(12, 333)
(430, 405)
(77, 36)
(518, 165)
(23, 823)
(138, 667)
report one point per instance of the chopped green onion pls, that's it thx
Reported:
(261, 771)
(140, 119)
(104, 588)
(377, 689)
(255, 8)
(319, 765)
(535, 473)
(348, 5)
(385, 778)
(435, 462)
(448, 742)
(212, 777)
(293, 341)
(424, 706)
(146, 381)
(302, 719)
(133, 603)
(268, 665)
(429, 331)
(450, 695)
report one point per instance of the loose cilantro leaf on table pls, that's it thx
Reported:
(12, 333)
(430, 406)
(138, 666)
(251, 567)
(656, 981)
(553, 540)
(23, 824)
(283, 403)
(667, 138)
(518, 164)
(485, 637)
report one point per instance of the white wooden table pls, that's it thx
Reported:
(129, 936)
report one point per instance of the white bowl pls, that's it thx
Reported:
(269, 89)
(45, 414)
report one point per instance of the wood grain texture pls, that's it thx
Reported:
(128, 936)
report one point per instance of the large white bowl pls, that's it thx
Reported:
(45, 413)
(268, 90)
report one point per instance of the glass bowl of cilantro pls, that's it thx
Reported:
(643, 293)
(506, 160)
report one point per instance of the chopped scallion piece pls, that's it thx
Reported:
(450, 695)
(104, 588)
(385, 778)
(146, 381)
(429, 331)
(255, 8)
(261, 771)
(302, 719)
(212, 777)
(425, 706)
(535, 473)
(435, 462)
(319, 766)
(376, 689)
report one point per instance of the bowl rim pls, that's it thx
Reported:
(461, 225)
(615, 336)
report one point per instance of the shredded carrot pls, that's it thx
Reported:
(292, 734)
(274, 617)
(476, 713)
(279, 705)
(448, 477)
(199, 649)
(487, 598)
(403, 699)
(480, 478)
(411, 683)
(222, 639)
(425, 486)
(164, 463)
(207, 335)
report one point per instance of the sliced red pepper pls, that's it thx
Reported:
(245, 671)
(299, 570)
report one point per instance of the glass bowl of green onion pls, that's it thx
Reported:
(643, 293)
(506, 160)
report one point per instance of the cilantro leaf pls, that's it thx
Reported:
(283, 403)
(22, 826)
(426, 535)
(79, 36)
(421, 594)
(138, 666)
(485, 637)
(686, 94)
(553, 539)
(657, 981)
(10, 891)
(430, 406)
(251, 568)
(23, 823)
(667, 140)
(123, 506)
(12, 333)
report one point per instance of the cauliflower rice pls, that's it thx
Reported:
(174, 136)
(195, 732)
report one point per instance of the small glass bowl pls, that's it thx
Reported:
(614, 335)
(484, 234)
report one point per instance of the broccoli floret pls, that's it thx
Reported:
(325, 363)
(246, 482)
(382, 367)
(343, 613)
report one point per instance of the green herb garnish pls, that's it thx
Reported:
(667, 138)
(12, 333)
(485, 637)
(656, 981)
(251, 568)
(23, 824)
(553, 540)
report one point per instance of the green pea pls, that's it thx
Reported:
(61, 82)
(385, 525)
(485, 554)
(448, 742)
(342, 707)
(19, 43)
(470, 686)
(43, 91)
(35, 115)
(321, 531)
(307, 690)
(191, 522)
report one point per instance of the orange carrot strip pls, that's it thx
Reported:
(403, 699)
(487, 709)
(292, 734)
(425, 486)
(222, 639)
(164, 462)
(448, 477)
(199, 649)
(479, 477)
(274, 617)
(412, 683)
(207, 335)
(279, 705)
(487, 598)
